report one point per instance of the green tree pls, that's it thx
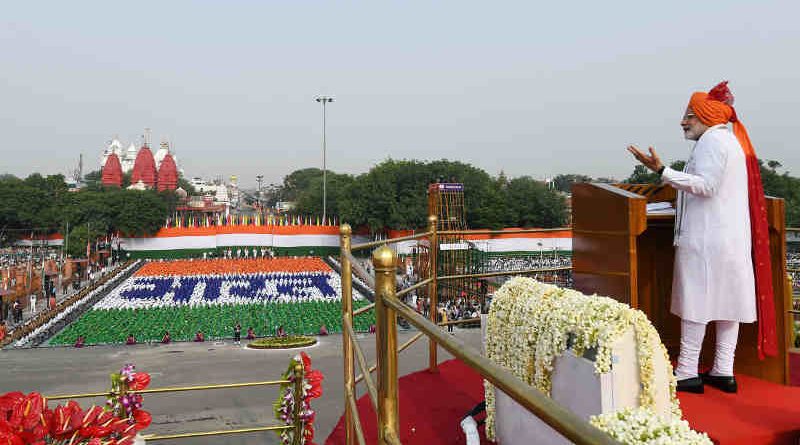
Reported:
(309, 200)
(299, 181)
(563, 183)
(782, 186)
(531, 204)
(642, 175)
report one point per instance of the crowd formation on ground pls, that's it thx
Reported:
(17, 256)
(200, 336)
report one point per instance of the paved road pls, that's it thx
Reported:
(61, 370)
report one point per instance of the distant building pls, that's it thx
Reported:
(285, 206)
(213, 196)
(159, 171)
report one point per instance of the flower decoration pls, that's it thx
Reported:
(26, 419)
(293, 406)
(124, 402)
(530, 324)
(635, 426)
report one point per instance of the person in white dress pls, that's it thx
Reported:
(713, 277)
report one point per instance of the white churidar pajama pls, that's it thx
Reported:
(713, 271)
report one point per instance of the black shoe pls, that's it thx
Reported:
(722, 383)
(692, 384)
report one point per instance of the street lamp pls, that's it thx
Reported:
(259, 179)
(324, 100)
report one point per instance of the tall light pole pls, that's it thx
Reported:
(324, 100)
(259, 179)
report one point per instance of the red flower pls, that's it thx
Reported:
(104, 417)
(313, 376)
(91, 415)
(9, 438)
(28, 411)
(75, 415)
(140, 381)
(118, 425)
(8, 401)
(309, 434)
(142, 418)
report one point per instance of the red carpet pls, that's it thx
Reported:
(432, 405)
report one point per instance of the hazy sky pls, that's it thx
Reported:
(531, 88)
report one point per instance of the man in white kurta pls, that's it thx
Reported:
(713, 275)
(713, 272)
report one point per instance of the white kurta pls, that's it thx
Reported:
(713, 275)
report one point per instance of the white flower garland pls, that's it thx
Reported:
(637, 426)
(530, 324)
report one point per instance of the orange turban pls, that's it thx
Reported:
(715, 108)
(710, 109)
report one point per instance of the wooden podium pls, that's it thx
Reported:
(620, 251)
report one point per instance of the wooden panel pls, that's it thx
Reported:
(603, 207)
(651, 192)
(775, 369)
(620, 253)
(606, 220)
(616, 287)
(656, 258)
(600, 252)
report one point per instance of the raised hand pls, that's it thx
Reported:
(651, 161)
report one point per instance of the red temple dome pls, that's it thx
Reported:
(167, 174)
(112, 171)
(144, 168)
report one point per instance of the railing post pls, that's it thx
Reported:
(384, 260)
(347, 313)
(297, 393)
(433, 295)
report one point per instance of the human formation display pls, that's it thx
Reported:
(206, 299)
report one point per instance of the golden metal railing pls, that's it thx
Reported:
(387, 306)
(297, 426)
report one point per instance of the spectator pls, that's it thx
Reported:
(251, 334)
(80, 341)
(281, 332)
(237, 333)
(17, 312)
(372, 328)
(131, 340)
(33, 303)
(166, 338)
(2, 330)
(323, 330)
(199, 337)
